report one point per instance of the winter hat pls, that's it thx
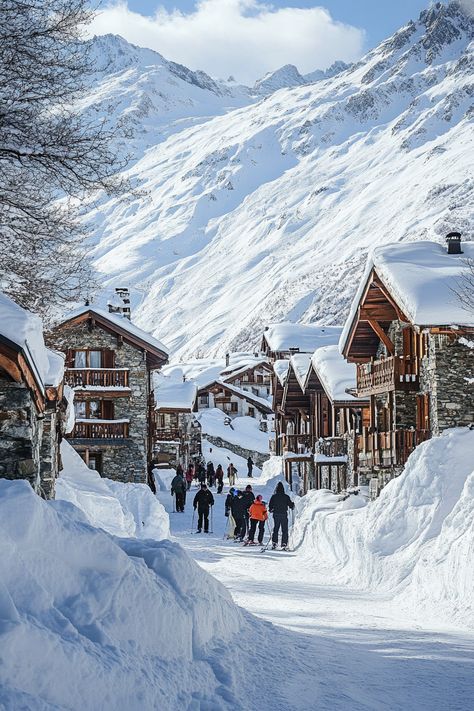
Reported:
(279, 488)
(203, 486)
(248, 488)
(259, 497)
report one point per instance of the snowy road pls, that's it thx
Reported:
(344, 649)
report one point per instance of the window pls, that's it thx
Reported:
(259, 379)
(251, 412)
(95, 462)
(94, 409)
(204, 399)
(255, 391)
(234, 407)
(95, 359)
(80, 359)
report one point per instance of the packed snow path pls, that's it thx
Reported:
(345, 649)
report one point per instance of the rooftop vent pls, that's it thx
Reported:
(453, 240)
(227, 360)
(120, 303)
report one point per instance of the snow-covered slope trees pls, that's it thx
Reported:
(257, 214)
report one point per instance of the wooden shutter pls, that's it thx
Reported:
(108, 359)
(70, 358)
(423, 412)
(107, 410)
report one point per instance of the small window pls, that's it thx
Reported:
(80, 359)
(95, 462)
(80, 409)
(234, 407)
(95, 359)
(255, 391)
(251, 412)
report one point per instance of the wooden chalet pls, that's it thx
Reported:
(406, 335)
(234, 401)
(32, 404)
(280, 340)
(176, 432)
(109, 364)
(254, 377)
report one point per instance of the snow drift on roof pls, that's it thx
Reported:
(26, 330)
(421, 277)
(300, 362)
(281, 370)
(283, 336)
(120, 321)
(335, 373)
(173, 395)
(207, 370)
(258, 401)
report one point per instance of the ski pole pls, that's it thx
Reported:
(172, 497)
(192, 522)
(212, 522)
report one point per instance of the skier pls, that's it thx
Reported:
(231, 473)
(250, 467)
(189, 476)
(279, 505)
(258, 516)
(178, 488)
(249, 498)
(202, 501)
(211, 474)
(201, 473)
(238, 508)
(220, 478)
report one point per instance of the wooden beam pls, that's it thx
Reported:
(377, 328)
(11, 368)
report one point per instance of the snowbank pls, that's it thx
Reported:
(415, 542)
(126, 510)
(242, 431)
(89, 621)
(163, 478)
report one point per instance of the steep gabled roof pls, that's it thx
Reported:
(417, 281)
(283, 337)
(119, 325)
(235, 372)
(336, 375)
(174, 396)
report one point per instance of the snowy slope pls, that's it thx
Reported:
(258, 214)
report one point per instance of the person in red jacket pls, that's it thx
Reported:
(189, 476)
(258, 516)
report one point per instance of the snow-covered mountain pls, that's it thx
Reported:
(267, 210)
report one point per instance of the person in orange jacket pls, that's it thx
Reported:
(258, 515)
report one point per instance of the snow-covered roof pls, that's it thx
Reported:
(335, 373)
(258, 401)
(25, 330)
(172, 395)
(301, 362)
(281, 370)
(121, 322)
(422, 278)
(236, 370)
(207, 370)
(282, 337)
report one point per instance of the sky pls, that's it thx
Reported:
(247, 38)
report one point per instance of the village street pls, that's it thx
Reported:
(359, 652)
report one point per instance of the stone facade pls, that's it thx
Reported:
(445, 375)
(123, 459)
(21, 435)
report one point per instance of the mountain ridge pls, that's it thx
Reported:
(259, 213)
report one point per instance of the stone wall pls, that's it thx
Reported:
(124, 460)
(21, 432)
(258, 457)
(444, 376)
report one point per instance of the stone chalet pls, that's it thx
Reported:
(411, 338)
(109, 364)
(32, 405)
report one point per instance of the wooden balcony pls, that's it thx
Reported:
(168, 434)
(392, 373)
(388, 449)
(97, 378)
(100, 429)
(297, 443)
(332, 447)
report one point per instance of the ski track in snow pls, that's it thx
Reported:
(344, 648)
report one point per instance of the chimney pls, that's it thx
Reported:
(227, 360)
(124, 294)
(294, 350)
(453, 240)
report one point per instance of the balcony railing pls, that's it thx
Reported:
(297, 443)
(100, 429)
(392, 373)
(387, 449)
(332, 447)
(97, 377)
(168, 434)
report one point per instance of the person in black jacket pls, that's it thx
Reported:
(178, 488)
(203, 501)
(238, 507)
(249, 498)
(211, 474)
(278, 506)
